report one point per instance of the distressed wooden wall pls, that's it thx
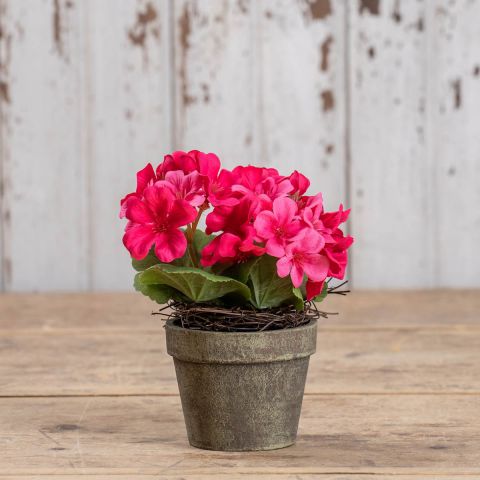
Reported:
(378, 101)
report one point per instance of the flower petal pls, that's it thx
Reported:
(210, 253)
(265, 224)
(284, 187)
(137, 211)
(123, 203)
(275, 247)
(284, 209)
(181, 213)
(138, 239)
(159, 199)
(296, 275)
(284, 266)
(310, 241)
(228, 245)
(208, 164)
(315, 266)
(144, 178)
(299, 182)
(170, 245)
(316, 201)
(313, 289)
(175, 178)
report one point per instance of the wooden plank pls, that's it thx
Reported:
(129, 107)
(5, 45)
(99, 312)
(113, 312)
(302, 70)
(43, 146)
(394, 309)
(79, 364)
(391, 179)
(337, 434)
(213, 44)
(234, 476)
(361, 362)
(454, 138)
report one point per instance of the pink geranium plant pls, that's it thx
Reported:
(266, 242)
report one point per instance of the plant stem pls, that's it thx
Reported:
(191, 236)
(200, 213)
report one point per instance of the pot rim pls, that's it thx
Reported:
(203, 346)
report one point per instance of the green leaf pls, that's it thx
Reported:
(196, 284)
(321, 296)
(158, 293)
(299, 301)
(268, 289)
(150, 260)
(200, 240)
(241, 271)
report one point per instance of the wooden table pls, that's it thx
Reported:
(87, 389)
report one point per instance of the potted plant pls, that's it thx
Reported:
(240, 292)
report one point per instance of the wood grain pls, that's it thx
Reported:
(234, 476)
(110, 312)
(213, 45)
(382, 400)
(337, 434)
(302, 81)
(376, 101)
(95, 312)
(130, 113)
(44, 217)
(5, 46)
(391, 190)
(127, 363)
(454, 138)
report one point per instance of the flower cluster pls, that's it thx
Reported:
(253, 211)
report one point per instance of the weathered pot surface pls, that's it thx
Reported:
(241, 391)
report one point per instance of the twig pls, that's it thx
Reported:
(212, 317)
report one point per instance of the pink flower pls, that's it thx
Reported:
(236, 243)
(155, 220)
(275, 187)
(230, 219)
(253, 181)
(187, 187)
(255, 211)
(176, 161)
(207, 164)
(302, 257)
(331, 220)
(314, 288)
(145, 177)
(220, 190)
(300, 183)
(228, 247)
(337, 255)
(311, 215)
(248, 178)
(279, 226)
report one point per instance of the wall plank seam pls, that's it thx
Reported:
(171, 49)
(258, 134)
(347, 133)
(430, 211)
(87, 157)
(5, 40)
(2, 182)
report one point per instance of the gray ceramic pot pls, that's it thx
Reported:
(241, 391)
